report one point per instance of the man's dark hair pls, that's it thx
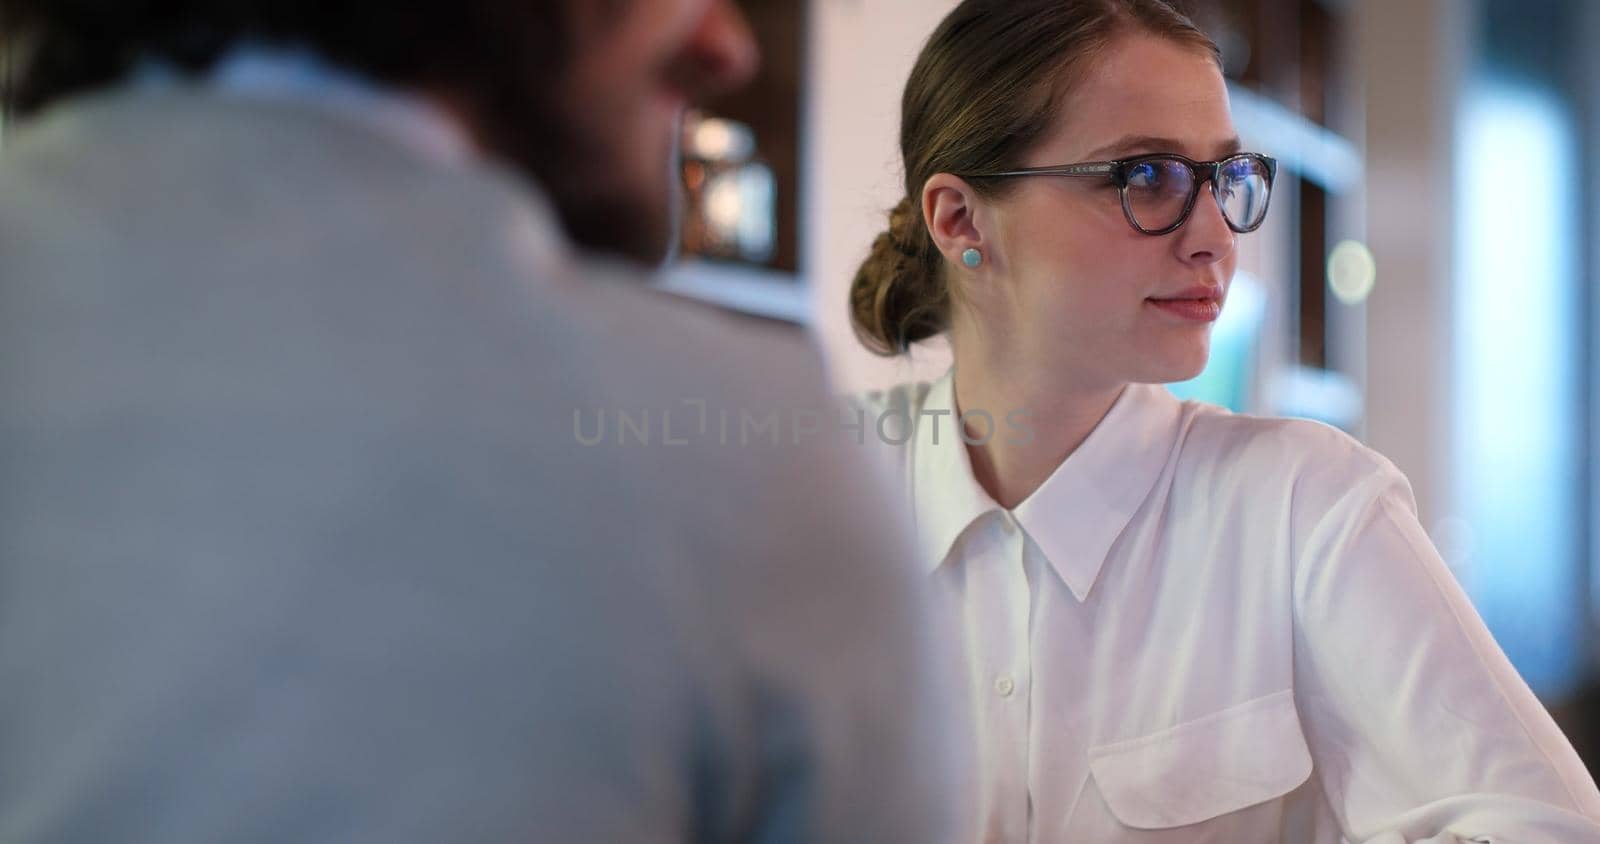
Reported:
(471, 48)
(500, 64)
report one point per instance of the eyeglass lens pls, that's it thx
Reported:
(1158, 192)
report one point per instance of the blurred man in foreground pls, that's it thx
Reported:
(306, 534)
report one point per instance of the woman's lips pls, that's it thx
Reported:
(1207, 309)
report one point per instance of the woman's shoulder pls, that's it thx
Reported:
(902, 398)
(893, 412)
(1314, 462)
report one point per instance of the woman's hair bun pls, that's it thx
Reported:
(898, 298)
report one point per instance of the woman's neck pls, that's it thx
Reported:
(1010, 465)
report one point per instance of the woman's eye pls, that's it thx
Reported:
(1144, 176)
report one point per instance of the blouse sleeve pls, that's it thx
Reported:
(1420, 728)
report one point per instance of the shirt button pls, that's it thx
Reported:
(1005, 686)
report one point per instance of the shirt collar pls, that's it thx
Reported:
(946, 497)
(1081, 509)
(1086, 504)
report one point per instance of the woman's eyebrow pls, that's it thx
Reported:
(1136, 143)
(1157, 143)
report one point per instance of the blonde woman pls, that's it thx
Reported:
(1181, 625)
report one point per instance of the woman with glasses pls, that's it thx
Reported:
(1180, 625)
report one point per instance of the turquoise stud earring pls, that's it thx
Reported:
(972, 258)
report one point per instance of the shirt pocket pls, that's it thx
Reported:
(1220, 764)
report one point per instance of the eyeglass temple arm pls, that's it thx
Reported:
(1106, 168)
(1093, 169)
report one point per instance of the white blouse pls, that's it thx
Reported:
(1216, 628)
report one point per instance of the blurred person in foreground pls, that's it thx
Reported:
(302, 538)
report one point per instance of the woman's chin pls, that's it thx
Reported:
(1180, 367)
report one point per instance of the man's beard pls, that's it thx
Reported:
(598, 213)
(632, 227)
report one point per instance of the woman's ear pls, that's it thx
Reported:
(951, 209)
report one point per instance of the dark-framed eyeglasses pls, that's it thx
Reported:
(1159, 191)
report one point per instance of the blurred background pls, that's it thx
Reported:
(1424, 281)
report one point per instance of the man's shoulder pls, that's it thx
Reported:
(673, 340)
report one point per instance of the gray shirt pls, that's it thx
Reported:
(301, 539)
